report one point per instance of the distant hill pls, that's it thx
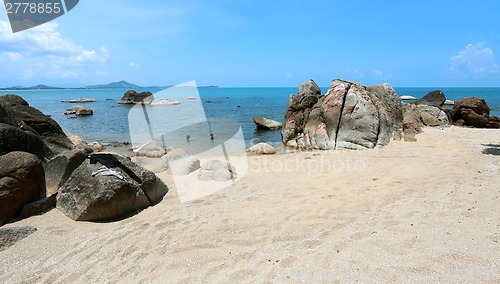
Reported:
(115, 85)
(37, 87)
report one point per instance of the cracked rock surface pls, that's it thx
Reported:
(348, 116)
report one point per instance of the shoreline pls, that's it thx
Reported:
(411, 211)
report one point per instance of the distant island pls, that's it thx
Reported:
(37, 87)
(113, 85)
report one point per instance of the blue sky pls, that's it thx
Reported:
(259, 43)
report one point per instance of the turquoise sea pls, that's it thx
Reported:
(110, 120)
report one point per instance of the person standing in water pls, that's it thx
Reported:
(188, 138)
(212, 136)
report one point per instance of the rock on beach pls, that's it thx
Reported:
(348, 116)
(266, 123)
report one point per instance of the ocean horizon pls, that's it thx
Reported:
(109, 124)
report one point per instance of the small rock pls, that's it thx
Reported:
(80, 143)
(79, 110)
(185, 165)
(408, 98)
(262, 148)
(97, 147)
(217, 170)
(80, 100)
(132, 97)
(165, 161)
(165, 102)
(266, 123)
(150, 150)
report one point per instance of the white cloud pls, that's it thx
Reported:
(133, 65)
(13, 56)
(475, 60)
(356, 72)
(45, 52)
(378, 73)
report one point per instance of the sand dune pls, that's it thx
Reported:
(426, 211)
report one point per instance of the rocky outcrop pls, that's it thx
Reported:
(35, 124)
(133, 97)
(348, 116)
(434, 98)
(266, 123)
(472, 111)
(108, 189)
(22, 181)
(215, 170)
(79, 111)
(433, 116)
(262, 149)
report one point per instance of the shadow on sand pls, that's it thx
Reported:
(493, 149)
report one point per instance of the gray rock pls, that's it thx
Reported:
(175, 153)
(22, 181)
(15, 139)
(217, 171)
(80, 143)
(262, 148)
(412, 122)
(79, 111)
(151, 149)
(164, 163)
(38, 207)
(266, 123)
(85, 197)
(32, 120)
(433, 116)
(97, 147)
(132, 97)
(434, 98)
(297, 113)
(59, 168)
(349, 116)
(185, 165)
(309, 88)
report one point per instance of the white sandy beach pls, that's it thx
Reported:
(418, 212)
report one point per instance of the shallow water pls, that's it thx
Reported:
(110, 122)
